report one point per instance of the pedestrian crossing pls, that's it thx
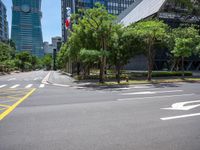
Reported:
(14, 86)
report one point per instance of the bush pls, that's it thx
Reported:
(159, 74)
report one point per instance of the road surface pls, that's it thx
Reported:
(74, 117)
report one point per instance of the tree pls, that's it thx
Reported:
(185, 44)
(47, 61)
(150, 33)
(123, 46)
(6, 52)
(24, 60)
(97, 24)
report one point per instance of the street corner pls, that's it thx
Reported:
(11, 98)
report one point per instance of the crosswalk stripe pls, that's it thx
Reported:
(28, 86)
(11, 79)
(14, 86)
(1, 86)
(41, 85)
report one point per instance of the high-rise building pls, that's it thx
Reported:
(26, 26)
(114, 7)
(3, 23)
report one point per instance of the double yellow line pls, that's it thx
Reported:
(11, 108)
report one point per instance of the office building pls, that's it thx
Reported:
(172, 13)
(3, 23)
(26, 29)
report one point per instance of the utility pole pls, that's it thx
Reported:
(54, 59)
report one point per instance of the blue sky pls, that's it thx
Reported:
(51, 20)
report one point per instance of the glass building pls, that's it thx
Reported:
(114, 7)
(26, 26)
(3, 23)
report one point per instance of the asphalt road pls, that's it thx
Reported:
(140, 117)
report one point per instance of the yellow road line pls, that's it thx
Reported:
(11, 108)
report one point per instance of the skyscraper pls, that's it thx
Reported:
(3, 23)
(114, 7)
(26, 26)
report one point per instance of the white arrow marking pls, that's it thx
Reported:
(180, 106)
(178, 117)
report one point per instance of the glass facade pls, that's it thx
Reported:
(3, 23)
(26, 26)
(114, 7)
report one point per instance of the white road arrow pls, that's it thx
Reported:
(181, 105)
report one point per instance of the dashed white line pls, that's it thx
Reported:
(11, 79)
(168, 96)
(151, 92)
(14, 86)
(1, 86)
(178, 117)
(41, 86)
(29, 86)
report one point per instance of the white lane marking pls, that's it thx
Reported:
(61, 85)
(46, 78)
(1, 86)
(38, 78)
(152, 92)
(14, 86)
(134, 87)
(41, 86)
(11, 79)
(180, 105)
(178, 117)
(29, 86)
(125, 88)
(127, 99)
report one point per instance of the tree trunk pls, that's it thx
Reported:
(118, 73)
(78, 68)
(102, 69)
(150, 61)
(103, 62)
(182, 65)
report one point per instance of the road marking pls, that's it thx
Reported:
(29, 86)
(46, 78)
(126, 99)
(41, 86)
(1, 86)
(5, 106)
(14, 86)
(11, 79)
(178, 117)
(37, 78)
(151, 92)
(61, 85)
(11, 108)
(180, 105)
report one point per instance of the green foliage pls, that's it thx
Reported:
(185, 41)
(90, 56)
(6, 52)
(47, 61)
(150, 33)
(23, 60)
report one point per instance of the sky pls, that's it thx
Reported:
(51, 18)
